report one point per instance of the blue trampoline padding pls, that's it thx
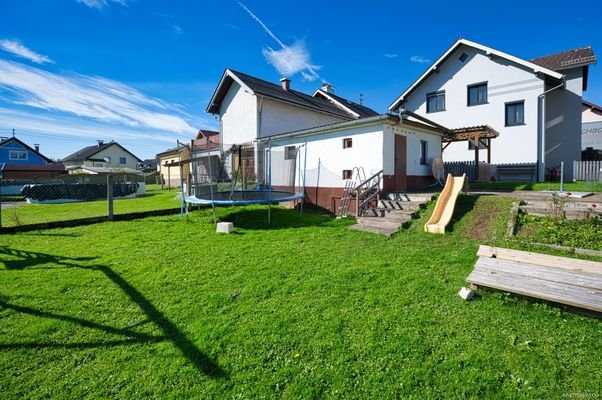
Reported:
(244, 197)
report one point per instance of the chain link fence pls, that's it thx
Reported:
(70, 199)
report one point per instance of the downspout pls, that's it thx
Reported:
(259, 149)
(541, 101)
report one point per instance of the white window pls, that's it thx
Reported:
(122, 160)
(435, 101)
(18, 155)
(423, 152)
(347, 143)
(347, 174)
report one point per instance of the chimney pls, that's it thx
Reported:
(37, 147)
(286, 84)
(100, 143)
(327, 87)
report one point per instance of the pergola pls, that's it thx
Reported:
(480, 135)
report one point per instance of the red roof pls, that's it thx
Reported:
(567, 59)
(34, 167)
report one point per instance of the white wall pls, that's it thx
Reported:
(505, 83)
(278, 117)
(413, 138)
(115, 153)
(238, 116)
(563, 123)
(591, 129)
(327, 151)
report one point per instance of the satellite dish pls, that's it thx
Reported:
(438, 170)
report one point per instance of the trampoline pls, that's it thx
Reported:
(243, 174)
(246, 197)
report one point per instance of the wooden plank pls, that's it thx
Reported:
(590, 299)
(585, 280)
(526, 257)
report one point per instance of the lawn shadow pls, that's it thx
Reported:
(170, 331)
(280, 218)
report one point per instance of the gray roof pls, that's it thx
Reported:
(361, 110)
(274, 91)
(87, 152)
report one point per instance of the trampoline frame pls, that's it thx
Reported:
(272, 196)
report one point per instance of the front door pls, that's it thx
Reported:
(401, 182)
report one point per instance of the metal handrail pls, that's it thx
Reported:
(370, 183)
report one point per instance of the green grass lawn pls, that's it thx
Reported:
(303, 308)
(26, 214)
(567, 187)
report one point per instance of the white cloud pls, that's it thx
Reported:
(101, 4)
(289, 60)
(90, 97)
(419, 60)
(16, 48)
(391, 55)
(177, 29)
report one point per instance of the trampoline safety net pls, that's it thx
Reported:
(247, 173)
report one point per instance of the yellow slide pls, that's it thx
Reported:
(445, 204)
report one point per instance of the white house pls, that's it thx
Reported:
(534, 105)
(250, 108)
(591, 126)
(402, 149)
(93, 159)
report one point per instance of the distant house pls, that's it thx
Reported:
(591, 131)
(20, 161)
(172, 160)
(102, 158)
(535, 105)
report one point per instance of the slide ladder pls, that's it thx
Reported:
(446, 203)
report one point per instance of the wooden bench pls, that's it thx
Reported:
(516, 172)
(577, 283)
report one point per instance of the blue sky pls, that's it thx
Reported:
(141, 72)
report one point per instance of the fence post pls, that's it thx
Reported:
(110, 197)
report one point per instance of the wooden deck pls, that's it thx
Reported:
(577, 283)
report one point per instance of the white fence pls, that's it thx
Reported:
(587, 170)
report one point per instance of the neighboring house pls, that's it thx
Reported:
(148, 166)
(535, 105)
(170, 162)
(591, 130)
(19, 161)
(92, 159)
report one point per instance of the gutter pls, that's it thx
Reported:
(541, 101)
